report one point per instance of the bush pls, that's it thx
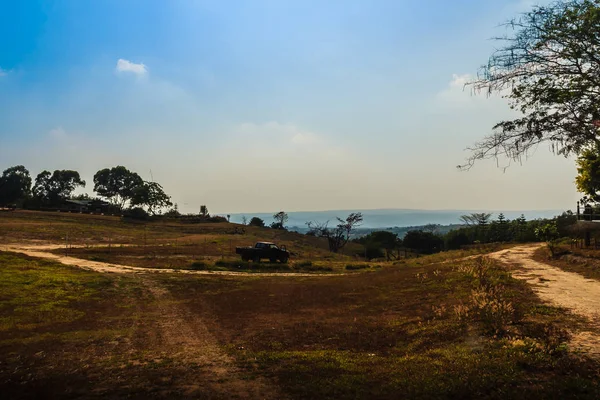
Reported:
(136, 213)
(172, 213)
(199, 265)
(216, 218)
(255, 221)
(229, 264)
(355, 267)
(303, 264)
(423, 242)
(374, 251)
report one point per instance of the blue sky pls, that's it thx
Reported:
(266, 105)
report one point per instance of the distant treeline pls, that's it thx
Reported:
(118, 189)
(477, 228)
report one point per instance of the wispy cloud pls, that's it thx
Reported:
(128, 66)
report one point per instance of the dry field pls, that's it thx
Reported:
(432, 327)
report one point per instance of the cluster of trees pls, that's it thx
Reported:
(126, 189)
(280, 218)
(477, 228)
(122, 188)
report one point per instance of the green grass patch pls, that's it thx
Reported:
(36, 293)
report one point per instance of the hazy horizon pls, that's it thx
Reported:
(388, 218)
(238, 106)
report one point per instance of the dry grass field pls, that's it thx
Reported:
(429, 327)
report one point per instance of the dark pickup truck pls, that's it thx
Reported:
(263, 250)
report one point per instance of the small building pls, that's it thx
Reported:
(86, 206)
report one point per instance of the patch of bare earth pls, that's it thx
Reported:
(184, 336)
(560, 288)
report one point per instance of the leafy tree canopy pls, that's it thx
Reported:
(117, 184)
(15, 184)
(152, 196)
(280, 219)
(255, 221)
(53, 188)
(549, 70)
(588, 174)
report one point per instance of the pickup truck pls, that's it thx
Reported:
(263, 250)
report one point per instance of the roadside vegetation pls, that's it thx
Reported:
(571, 258)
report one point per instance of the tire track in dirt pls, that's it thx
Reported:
(184, 336)
(560, 288)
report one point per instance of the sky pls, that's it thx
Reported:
(266, 105)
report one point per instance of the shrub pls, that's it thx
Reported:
(199, 265)
(303, 264)
(228, 264)
(308, 266)
(354, 267)
(374, 251)
(217, 218)
(487, 302)
(549, 337)
(136, 213)
(255, 221)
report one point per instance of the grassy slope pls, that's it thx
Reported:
(203, 239)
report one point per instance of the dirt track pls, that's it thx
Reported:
(43, 251)
(560, 288)
(185, 336)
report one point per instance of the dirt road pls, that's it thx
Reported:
(43, 251)
(560, 288)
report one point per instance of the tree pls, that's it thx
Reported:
(204, 211)
(255, 221)
(588, 174)
(476, 219)
(152, 196)
(423, 242)
(53, 189)
(15, 185)
(280, 219)
(549, 70)
(374, 242)
(433, 228)
(117, 184)
(500, 229)
(337, 237)
(456, 239)
(244, 220)
(548, 233)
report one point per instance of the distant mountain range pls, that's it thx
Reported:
(389, 218)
